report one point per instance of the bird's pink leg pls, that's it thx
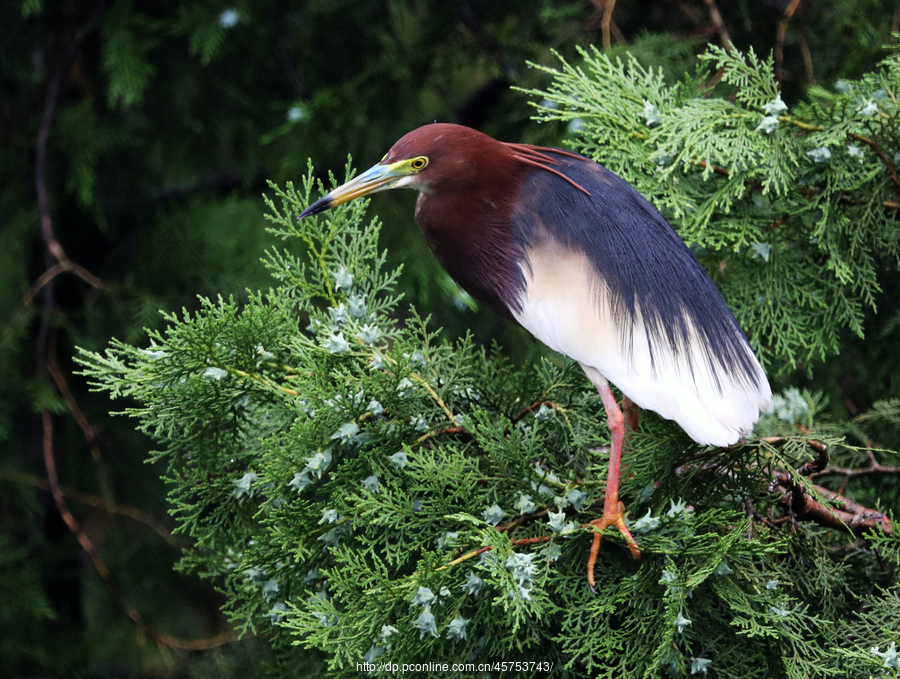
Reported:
(613, 510)
(631, 412)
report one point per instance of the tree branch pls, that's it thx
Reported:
(807, 59)
(845, 515)
(872, 144)
(94, 501)
(143, 626)
(802, 506)
(40, 165)
(779, 38)
(875, 468)
(716, 17)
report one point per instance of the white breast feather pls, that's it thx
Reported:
(566, 307)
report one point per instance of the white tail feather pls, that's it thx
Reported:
(566, 306)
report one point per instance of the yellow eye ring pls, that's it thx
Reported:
(419, 163)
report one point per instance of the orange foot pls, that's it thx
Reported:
(616, 519)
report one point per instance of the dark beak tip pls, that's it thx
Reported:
(315, 208)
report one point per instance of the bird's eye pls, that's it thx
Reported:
(419, 163)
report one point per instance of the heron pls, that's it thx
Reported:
(574, 254)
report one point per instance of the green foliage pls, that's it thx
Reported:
(24, 609)
(371, 492)
(792, 209)
(127, 44)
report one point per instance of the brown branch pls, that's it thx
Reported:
(818, 446)
(482, 550)
(821, 461)
(63, 266)
(810, 193)
(457, 430)
(54, 250)
(518, 521)
(874, 469)
(799, 502)
(40, 165)
(779, 38)
(90, 432)
(715, 168)
(711, 84)
(807, 60)
(59, 499)
(443, 432)
(845, 515)
(534, 405)
(777, 224)
(604, 8)
(694, 15)
(716, 17)
(98, 502)
(608, 6)
(112, 589)
(415, 377)
(872, 144)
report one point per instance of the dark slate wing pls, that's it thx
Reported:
(609, 283)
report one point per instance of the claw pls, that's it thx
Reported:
(616, 519)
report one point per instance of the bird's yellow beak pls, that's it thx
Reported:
(377, 178)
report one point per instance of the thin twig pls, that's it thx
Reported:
(534, 405)
(63, 266)
(537, 404)
(716, 17)
(800, 503)
(872, 144)
(715, 168)
(807, 59)
(46, 355)
(90, 432)
(608, 6)
(112, 589)
(98, 502)
(442, 432)
(481, 550)
(40, 165)
(59, 499)
(845, 515)
(779, 38)
(262, 380)
(434, 395)
(778, 223)
(852, 472)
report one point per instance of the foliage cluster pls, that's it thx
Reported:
(377, 495)
(794, 209)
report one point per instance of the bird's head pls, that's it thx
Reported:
(438, 155)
